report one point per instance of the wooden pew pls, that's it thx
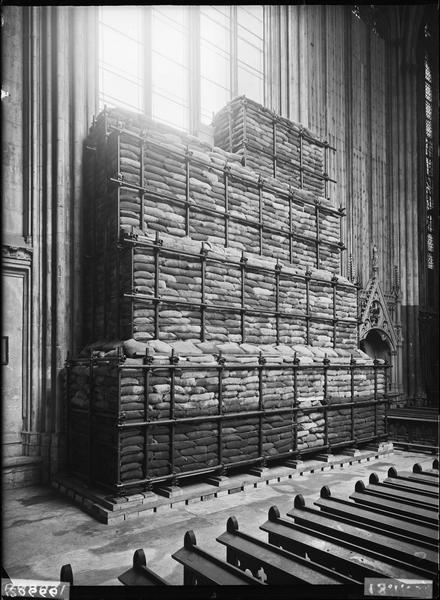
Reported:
(414, 478)
(408, 496)
(404, 483)
(408, 512)
(346, 557)
(385, 521)
(202, 568)
(417, 468)
(367, 535)
(66, 574)
(139, 573)
(280, 566)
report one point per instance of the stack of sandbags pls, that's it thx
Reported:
(167, 282)
(269, 143)
(173, 183)
(196, 393)
(180, 283)
(172, 168)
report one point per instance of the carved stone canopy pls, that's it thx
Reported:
(375, 314)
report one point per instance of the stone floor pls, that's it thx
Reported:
(43, 529)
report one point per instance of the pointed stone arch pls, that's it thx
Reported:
(376, 316)
(378, 336)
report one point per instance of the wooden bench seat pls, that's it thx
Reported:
(66, 574)
(140, 574)
(367, 535)
(408, 496)
(346, 556)
(202, 568)
(413, 477)
(409, 484)
(381, 503)
(281, 567)
(385, 521)
(418, 470)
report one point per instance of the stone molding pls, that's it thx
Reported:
(376, 316)
(21, 253)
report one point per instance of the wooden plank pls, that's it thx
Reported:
(202, 568)
(383, 504)
(367, 535)
(407, 484)
(140, 574)
(346, 557)
(280, 566)
(425, 478)
(417, 469)
(386, 521)
(409, 496)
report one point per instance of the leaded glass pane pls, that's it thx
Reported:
(170, 112)
(213, 97)
(215, 33)
(119, 91)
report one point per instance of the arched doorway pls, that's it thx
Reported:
(376, 345)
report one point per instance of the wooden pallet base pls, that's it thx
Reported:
(110, 509)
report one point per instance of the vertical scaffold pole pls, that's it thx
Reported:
(121, 413)
(325, 402)
(278, 268)
(147, 361)
(174, 359)
(261, 363)
(203, 255)
(318, 235)
(295, 366)
(290, 224)
(307, 278)
(243, 261)
(221, 365)
(226, 174)
(156, 300)
(260, 185)
(334, 282)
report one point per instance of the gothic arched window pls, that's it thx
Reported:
(180, 63)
